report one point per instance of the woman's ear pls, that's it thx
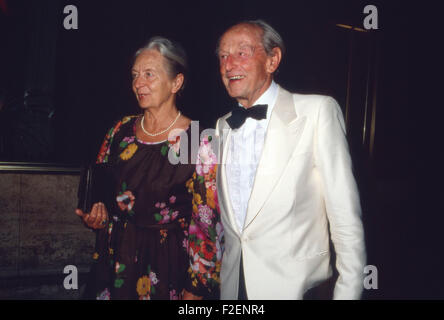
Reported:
(178, 82)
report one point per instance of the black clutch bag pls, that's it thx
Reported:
(97, 184)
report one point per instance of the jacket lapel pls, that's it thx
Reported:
(283, 134)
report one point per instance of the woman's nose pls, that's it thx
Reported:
(138, 82)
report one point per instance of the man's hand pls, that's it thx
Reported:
(97, 218)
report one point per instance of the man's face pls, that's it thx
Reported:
(244, 64)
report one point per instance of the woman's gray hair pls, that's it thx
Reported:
(173, 53)
(270, 37)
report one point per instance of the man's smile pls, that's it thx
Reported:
(237, 77)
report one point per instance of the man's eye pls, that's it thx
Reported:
(223, 56)
(243, 54)
(134, 76)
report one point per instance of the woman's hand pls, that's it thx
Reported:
(189, 296)
(97, 218)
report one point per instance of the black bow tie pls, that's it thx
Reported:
(240, 114)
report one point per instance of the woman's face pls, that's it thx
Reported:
(152, 84)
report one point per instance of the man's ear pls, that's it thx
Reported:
(178, 83)
(274, 60)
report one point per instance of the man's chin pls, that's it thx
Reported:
(234, 90)
(235, 94)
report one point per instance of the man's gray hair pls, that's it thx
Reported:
(270, 37)
(173, 53)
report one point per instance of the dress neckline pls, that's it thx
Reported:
(150, 143)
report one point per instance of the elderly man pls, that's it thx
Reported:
(285, 183)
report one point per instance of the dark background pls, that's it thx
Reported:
(80, 79)
(61, 90)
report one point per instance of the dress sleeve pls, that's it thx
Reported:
(205, 232)
(105, 149)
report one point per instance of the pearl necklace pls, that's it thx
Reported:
(158, 133)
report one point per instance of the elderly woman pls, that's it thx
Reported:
(159, 238)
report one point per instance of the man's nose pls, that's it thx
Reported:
(230, 63)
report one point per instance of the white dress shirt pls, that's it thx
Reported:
(243, 156)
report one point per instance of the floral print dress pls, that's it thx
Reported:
(164, 233)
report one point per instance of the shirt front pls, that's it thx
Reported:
(243, 156)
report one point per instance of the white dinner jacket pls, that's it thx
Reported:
(303, 188)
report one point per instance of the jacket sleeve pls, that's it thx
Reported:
(341, 199)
